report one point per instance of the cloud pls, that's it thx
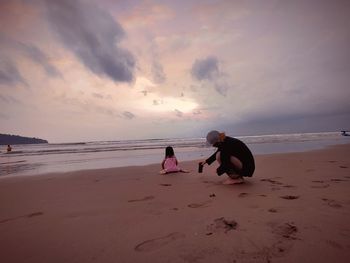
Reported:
(97, 95)
(9, 99)
(38, 56)
(128, 115)
(4, 116)
(158, 72)
(208, 70)
(205, 69)
(222, 86)
(289, 124)
(32, 52)
(196, 112)
(157, 69)
(178, 113)
(9, 73)
(93, 36)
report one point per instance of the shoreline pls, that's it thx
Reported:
(295, 208)
(15, 175)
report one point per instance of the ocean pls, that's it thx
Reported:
(36, 159)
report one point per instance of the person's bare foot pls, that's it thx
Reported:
(234, 181)
(162, 172)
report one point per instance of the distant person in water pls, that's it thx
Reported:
(9, 149)
(170, 163)
(234, 157)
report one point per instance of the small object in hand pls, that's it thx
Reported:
(200, 168)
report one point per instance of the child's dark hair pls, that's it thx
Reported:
(169, 152)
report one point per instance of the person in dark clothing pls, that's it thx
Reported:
(9, 148)
(234, 157)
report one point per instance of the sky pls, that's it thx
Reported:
(113, 70)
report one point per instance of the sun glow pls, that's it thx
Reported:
(153, 102)
(169, 104)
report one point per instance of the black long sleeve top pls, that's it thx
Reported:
(234, 147)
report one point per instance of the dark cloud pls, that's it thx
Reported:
(208, 70)
(128, 115)
(205, 69)
(290, 124)
(158, 72)
(93, 36)
(32, 52)
(38, 56)
(9, 73)
(178, 113)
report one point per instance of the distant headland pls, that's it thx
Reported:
(16, 139)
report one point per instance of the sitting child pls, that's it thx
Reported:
(170, 163)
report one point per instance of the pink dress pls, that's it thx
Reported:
(170, 165)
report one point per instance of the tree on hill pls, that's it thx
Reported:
(16, 139)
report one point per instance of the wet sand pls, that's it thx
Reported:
(296, 208)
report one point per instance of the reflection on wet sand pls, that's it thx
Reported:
(17, 167)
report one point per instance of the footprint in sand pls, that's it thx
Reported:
(289, 186)
(211, 182)
(275, 188)
(338, 180)
(242, 194)
(342, 166)
(199, 205)
(271, 181)
(332, 203)
(279, 247)
(24, 216)
(35, 214)
(150, 197)
(165, 184)
(334, 244)
(221, 225)
(290, 197)
(318, 181)
(272, 210)
(153, 244)
(286, 230)
(320, 186)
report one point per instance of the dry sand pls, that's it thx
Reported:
(296, 208)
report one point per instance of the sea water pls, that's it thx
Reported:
(47, 158)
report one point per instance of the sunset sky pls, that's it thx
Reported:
(109, 70)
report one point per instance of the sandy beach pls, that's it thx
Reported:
(296, 208)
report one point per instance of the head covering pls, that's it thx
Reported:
(213, 137)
